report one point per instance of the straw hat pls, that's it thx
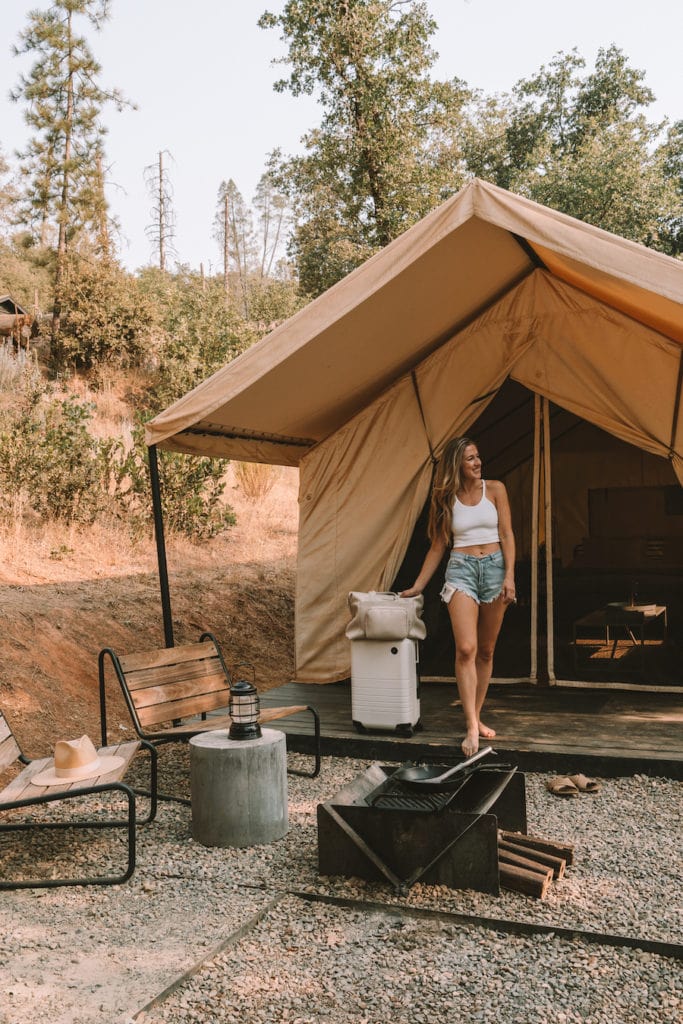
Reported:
(76, 760)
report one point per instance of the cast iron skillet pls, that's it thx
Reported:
(427, 777)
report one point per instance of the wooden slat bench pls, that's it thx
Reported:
(173, 693)
(22, 793)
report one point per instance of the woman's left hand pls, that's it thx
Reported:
(509, 592)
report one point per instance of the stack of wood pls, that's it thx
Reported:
(529, 864)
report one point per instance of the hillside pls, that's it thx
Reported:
(66, 593)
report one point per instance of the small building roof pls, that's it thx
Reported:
(10, 305)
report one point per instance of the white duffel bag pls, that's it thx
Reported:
(385, 616)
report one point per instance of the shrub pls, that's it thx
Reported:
(26, 270)
(191, 490)
(107, 318)
(198, 333)
(48, 459)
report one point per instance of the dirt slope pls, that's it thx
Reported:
(61, 601)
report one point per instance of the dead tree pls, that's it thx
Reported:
(161, 231)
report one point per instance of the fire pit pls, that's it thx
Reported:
(382, 828)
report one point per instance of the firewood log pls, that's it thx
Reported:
(540, 857)
(563, 850)
(533, 883)
(511, 857)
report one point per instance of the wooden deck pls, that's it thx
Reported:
(600, 732)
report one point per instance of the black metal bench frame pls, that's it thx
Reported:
(10, 753)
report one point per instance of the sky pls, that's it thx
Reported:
(201, 76)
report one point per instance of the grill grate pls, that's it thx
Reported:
(395, 796)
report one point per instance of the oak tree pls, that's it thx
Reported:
(581, 143)
(384, 153)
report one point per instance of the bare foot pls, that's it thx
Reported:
(470, 745)
(486, 731)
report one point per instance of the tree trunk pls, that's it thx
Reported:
(226, 246)
(102, 220)
(162, 215)
(63, 203)
(276, 242)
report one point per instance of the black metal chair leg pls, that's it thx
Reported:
(317, 754)
(51, 883)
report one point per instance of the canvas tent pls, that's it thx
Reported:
(364, 385)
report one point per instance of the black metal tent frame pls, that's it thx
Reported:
(161, 545)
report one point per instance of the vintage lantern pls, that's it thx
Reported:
(244, 711)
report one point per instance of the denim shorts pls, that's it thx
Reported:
(479, 578)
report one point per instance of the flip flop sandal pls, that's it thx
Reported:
(584, 784)
(562, 786)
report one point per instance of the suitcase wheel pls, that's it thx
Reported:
(404, 730)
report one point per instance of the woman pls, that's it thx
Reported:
(472, 516)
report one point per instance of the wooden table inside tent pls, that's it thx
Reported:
(605, 636)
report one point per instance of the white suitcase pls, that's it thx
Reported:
(385, 685)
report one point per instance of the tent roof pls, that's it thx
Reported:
(308, 377)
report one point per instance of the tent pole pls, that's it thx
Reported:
(161, 545)
(548, 543)
(677, 406)
(533, 667)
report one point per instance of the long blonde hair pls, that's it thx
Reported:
(444, 489)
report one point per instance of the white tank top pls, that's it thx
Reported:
(475, 524)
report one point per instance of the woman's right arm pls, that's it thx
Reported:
(429, 567)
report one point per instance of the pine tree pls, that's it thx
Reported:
(8, 197)
(61, 166)
(273, 223)
(234, 232)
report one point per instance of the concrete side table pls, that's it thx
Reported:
(238, 788)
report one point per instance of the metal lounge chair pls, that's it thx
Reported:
(22, 794)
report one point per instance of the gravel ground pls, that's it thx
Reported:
(99, 955)
(349, 966)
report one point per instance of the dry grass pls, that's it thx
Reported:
(112, 415)
(255, 479)
(12, 366)
(18, 371)
(266, 532)
(53, 552)
(264, 499)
